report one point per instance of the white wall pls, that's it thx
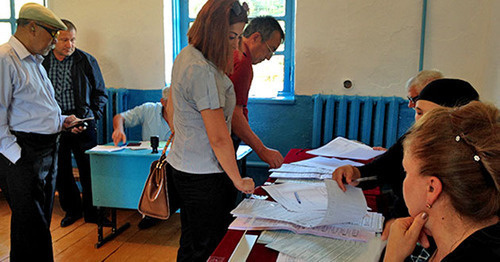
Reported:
(372, 42)
(126, 37)
(377, 44)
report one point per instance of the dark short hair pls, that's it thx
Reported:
(69, 24)
(265, 25)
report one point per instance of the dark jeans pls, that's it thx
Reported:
(28, 185)
(205, 201)
(69, 194)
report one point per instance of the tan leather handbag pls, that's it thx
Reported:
(154, 200)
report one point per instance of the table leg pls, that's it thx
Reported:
(101, 239)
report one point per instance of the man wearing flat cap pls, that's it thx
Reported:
(30, 123)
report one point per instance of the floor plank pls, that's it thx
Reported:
(76, 242)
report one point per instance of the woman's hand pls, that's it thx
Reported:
(346, 174)
(405, 232)
(245, 185)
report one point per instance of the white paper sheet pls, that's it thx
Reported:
(312, 197)
(105, 148)
(346, 232)
(243, 248)
(293, 168)
(342, 207)
(312, 248)
(345, 148)
(329, 163)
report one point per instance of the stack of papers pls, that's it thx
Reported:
(305, 208)
(313, 168)
(293, 247)
(345, 148)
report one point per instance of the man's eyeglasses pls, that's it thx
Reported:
(413, 99)
(53, 32)
(271, 52)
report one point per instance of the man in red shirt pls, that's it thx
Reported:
(261, 38)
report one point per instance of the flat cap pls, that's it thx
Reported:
(33, 11)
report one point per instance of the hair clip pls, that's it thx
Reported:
(457, 138)
(238, 8)
(476, 158)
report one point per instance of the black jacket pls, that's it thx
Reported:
(388, 167)
(88, 85)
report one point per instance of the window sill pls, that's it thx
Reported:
(288, 99)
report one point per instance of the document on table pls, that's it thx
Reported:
(300, 197)
(345, 148)
(342, 231)
(313, 248)
(329, 163)
(293, 168)
(243, 248)
(106, 148)
(343, 207)
(318, 176)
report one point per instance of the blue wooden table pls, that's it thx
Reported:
(118, 178)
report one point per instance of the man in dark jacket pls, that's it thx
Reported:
(80, 90)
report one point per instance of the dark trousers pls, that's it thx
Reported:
(28, 185)
(205, 201)
(69, 194)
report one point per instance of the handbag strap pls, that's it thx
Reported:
(163, 158)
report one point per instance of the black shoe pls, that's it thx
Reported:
(69, 220)
(148, 222)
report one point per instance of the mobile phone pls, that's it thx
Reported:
(78, 124)
(133, 144)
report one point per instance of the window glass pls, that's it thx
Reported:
(268, 77)
(266, 7)
(5, 32)
(4, 9)
(195, 7)
(20, 3)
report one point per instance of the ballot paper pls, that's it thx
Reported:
(293, 168)
(286, 258)
(300, 197)
(106, 148)
(342, 207)
(313, 248)
(346, 232)
(345, 148)
(329, 163)
(318, 176)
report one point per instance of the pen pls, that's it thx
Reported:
(368, 178)
(297, 197)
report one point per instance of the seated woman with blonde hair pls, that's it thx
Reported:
(452, 161)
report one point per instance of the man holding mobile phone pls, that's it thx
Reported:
(80, 90)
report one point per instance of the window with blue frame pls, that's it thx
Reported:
(273, 78)
(9, 10)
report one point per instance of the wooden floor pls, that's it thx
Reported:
(76, 242)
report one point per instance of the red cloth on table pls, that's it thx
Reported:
(259, 252)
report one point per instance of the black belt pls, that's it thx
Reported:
(35, 138)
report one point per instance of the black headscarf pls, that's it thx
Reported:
(449, 92)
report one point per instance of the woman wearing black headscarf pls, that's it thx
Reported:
(388, 167)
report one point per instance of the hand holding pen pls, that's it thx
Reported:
(349, 175)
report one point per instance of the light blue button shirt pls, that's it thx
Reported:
(27, 102)
(149, 116)
(197, 85)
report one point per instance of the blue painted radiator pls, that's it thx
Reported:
(117, 103)
(374, 121)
